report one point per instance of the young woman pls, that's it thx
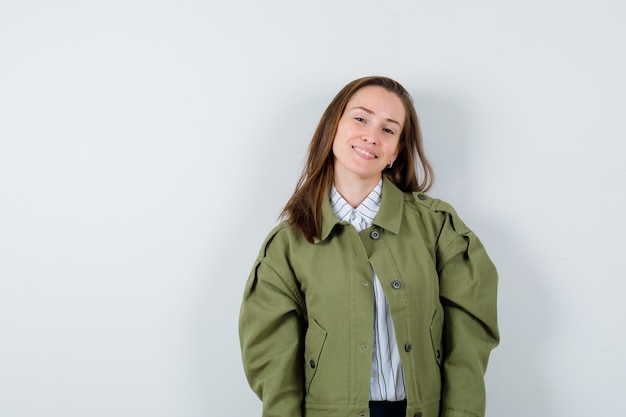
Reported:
(370, 298)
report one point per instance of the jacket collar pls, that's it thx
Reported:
(389, 215)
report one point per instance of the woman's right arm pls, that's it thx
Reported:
(271, 333)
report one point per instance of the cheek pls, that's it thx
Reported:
(346, 130)
(338, 148)
(341, 138)
(396, 151)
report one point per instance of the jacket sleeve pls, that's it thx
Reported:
(468, 291)
(271, 329)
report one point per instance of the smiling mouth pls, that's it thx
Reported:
(364, 152)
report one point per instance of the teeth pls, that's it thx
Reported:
(364, 152)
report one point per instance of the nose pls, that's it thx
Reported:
(370, 135)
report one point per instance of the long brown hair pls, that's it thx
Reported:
(304, 208)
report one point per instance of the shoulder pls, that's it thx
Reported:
(280, 239)
(277, 233)
(436, 208)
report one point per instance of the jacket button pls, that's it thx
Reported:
(374, 234)
(421, 197)
(312, 363)
(408, 347)
(418, 414)
(396, 284)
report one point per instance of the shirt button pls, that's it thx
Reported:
(374, 234)
(421, 197)
(418, 414)
(408, 347)
(312, 363)
(396, 284)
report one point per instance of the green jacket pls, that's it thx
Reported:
(306, 322)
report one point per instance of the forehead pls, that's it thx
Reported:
(379, 101)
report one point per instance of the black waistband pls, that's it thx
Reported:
(387, 408)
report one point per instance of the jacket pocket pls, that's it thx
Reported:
(313, 346)
(436, 333)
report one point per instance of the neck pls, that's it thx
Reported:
(354, 192)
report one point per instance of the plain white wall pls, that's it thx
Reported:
(147, 147)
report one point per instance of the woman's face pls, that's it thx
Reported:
(368, 135)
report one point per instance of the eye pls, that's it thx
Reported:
(389, 131)
(359, 119)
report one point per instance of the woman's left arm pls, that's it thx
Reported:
(468, 291)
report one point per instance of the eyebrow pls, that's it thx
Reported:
(371, 112)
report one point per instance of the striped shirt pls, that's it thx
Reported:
(387, 379)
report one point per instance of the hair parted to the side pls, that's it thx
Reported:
(304, 208)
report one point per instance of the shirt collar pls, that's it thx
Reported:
(362, 216)
(389, 214)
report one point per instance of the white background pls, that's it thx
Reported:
(147, 147)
